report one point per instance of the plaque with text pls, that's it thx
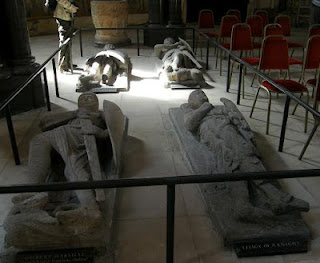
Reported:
(270, 248)
(83, 255)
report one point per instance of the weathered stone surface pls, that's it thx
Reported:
(179, 65)
(103, 70)
(255, 218)
(71, 147)
(110, 14)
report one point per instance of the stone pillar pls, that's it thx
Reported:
(174, 12)
(18, 36)
(17, 58)
(155, 12)
(108, 13)
(163, 13)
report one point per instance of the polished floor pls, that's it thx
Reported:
(152, 151)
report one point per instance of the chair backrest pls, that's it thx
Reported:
(264, 15)
(227, 22)
(285, 23)
(256, 24)
(241, 37)
(314, 30)
(234, 12)
(312, 56)
(274, 53)
(206, 19)
(273, 29)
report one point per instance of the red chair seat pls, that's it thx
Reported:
(226, 45)
(256, 45)
(312, 82)
(290, 85)
(295, 61)
(294, 44)
(253, 61)
(211, 34)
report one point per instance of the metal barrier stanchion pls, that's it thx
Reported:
(46, 89)
(239, 84)
(80, 41)
(228, 74)
(207, 59)
(193, 40)
(284, 123)
(55, 77)
(170, 221)
(138, 43)
(12, 136)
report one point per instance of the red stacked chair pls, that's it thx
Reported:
(234, 12)
(274, 56)
(206, 24)
(314, 30)
(256, 24)
(264, 15)
(227, 22)
(241, 41)
(285, 23)
(277, 30)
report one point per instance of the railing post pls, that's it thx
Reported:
(12, 136)
(80, 41)
(55, 77)
(239, 84)
(138, 43)
(170, 221)
(193, 40)
(284, 123)
(46, 89)
(228, 73)
(207, 59)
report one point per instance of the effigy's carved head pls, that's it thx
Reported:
(197, 98)
(88, 101)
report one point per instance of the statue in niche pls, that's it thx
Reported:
(179, 65)
(104, 68)
(217, 139)
(74, 146)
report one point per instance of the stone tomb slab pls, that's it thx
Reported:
(270, 236)
(84, 255)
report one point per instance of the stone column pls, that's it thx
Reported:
(17, 58)
(174, 12)
(18, 36)
(108, 13)
(155, 12)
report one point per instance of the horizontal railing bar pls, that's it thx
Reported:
(138, 182)
(133, 28)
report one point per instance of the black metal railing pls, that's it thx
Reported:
(170, 182)
(5, 104)
(289, 95)
(137, 29)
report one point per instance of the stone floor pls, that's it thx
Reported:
(153, 152)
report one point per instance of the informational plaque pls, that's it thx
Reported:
(275, 247)
(83, 255)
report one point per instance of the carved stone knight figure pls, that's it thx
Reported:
(104, 68)
(74, 146)
(179, 65)
(217, 139)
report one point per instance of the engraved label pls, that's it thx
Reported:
(84, 255)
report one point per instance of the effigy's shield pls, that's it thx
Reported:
(117, 124)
